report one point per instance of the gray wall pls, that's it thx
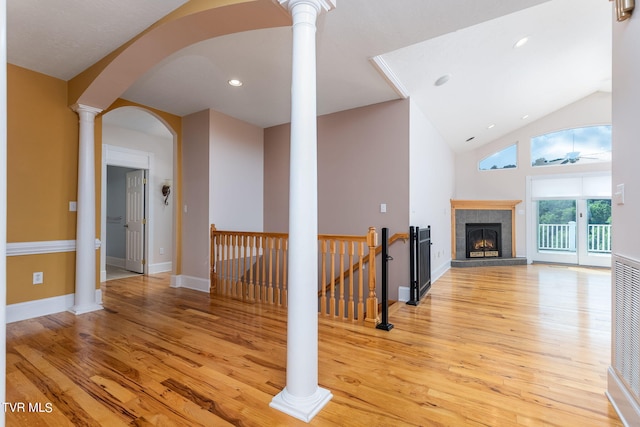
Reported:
(195, 195)
(363, 161)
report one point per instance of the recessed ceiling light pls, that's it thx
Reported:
(442, 80)
(491, 126)
(470, 139)
(235, 82)
(521, 42)
(526, 116)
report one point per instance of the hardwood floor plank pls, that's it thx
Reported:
(491, 346)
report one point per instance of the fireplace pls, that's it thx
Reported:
(486, 214)
(483, 240)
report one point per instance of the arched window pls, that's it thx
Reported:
(590, 144)
(503, 159)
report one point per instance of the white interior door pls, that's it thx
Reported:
(135, 222)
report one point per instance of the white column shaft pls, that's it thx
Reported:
(302, 333)
(85, 292)
(302, 398)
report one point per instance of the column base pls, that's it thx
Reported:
(301, 408)
(82, 309)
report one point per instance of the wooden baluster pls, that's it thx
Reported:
(270, 290)
(257, 272)
(263, 282)
(230, 265)
(341, 290)
(361, 282)
(226, 265)
(332, 287)
(243, 278)
(285, 257)
(372, 299)
(212, 260)
(236, 262)
(219, 249)
(232, 256)
(239, 271)
(252, 246)
(278, 288)
(323, 267)
(350, 306)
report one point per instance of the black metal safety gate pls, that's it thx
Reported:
(419, 263)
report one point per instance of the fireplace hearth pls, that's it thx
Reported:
(483, 240)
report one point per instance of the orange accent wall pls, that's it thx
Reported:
(42, 158)
(59, 276)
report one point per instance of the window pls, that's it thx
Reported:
(504, 159)
(581, 145)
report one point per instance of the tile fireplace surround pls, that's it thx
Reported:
(482, 211)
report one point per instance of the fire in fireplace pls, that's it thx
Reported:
(483, 240)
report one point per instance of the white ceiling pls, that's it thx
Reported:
(567, 58)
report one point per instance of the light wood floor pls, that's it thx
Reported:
(493, 346)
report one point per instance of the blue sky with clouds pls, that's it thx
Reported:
(593, 144)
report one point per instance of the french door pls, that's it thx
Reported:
(574, 231)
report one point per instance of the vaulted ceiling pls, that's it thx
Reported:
(368, 51)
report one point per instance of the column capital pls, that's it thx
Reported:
(327, 5)
(81, 108)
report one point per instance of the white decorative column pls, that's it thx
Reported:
(302, 398)
(85, 296)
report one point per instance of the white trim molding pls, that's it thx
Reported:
(160, 267)
(387, 73)
(190, 282)
(43, 307)
(45, 247)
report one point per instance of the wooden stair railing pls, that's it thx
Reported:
(253, 267)
(358, 265)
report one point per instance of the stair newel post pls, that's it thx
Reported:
(372, 299)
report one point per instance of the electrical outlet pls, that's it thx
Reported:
(38, 278)
(161, 251)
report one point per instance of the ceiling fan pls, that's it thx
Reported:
(574, 156)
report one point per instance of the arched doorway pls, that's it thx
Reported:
(134, 139)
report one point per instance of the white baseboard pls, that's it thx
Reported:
(624, 404)
(116, 262)
(190, 282)
(404, 292)
(437, 272)
(160, 267)
(43, 307)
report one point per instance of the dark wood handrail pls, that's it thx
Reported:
(356, 266)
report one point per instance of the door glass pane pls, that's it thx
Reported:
(557, 225)
(599, 226)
